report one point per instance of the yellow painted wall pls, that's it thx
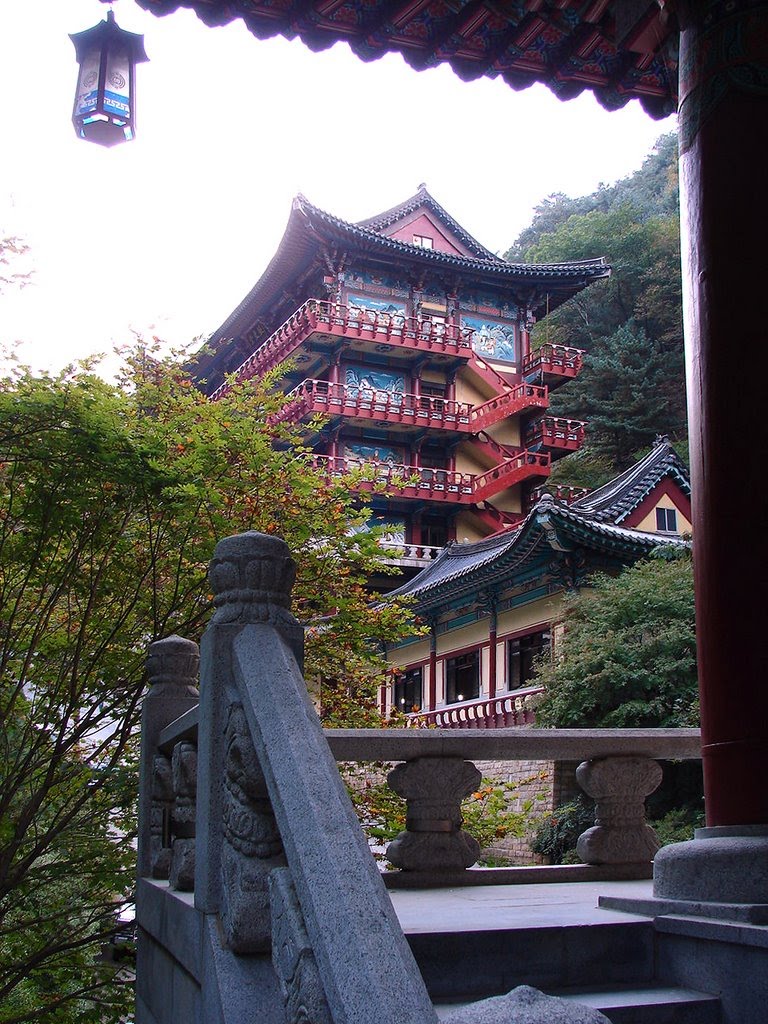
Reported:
(467, 391)
(506, 432)
(468, 528)
(649, 522)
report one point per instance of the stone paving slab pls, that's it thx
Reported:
(498, 907)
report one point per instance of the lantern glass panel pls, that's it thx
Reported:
(117, 85)
(87, 97)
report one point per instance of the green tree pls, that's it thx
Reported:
(635, 225)
(627, 657)
(111, 500)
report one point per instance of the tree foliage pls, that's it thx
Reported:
(112, 499)
(627, 658)
(631, 320)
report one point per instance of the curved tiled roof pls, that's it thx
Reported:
(617, 499)
(593, 521)
(309, 227)
(617, 49)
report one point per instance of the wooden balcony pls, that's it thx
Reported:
(555, 434)
(502, 712)
(397, 407)
(355, 402)
(443, 485)
(334, 319)
(554, 364)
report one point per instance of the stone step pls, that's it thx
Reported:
(470, 965)
(648, 1004)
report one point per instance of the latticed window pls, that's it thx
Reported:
(522, 652)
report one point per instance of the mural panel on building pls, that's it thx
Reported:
(491, 338)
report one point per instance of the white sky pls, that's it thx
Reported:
(167, 233)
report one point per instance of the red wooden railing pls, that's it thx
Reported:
(437, 484)
(320, 396)
(555, 432)
(503, 712)
(335, 318)
(523, 396)
(557, 359)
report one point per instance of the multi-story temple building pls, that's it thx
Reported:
(413, 341)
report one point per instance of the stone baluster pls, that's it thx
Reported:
(619, 786)
(433, 788)
(172, 671)
(183, 815)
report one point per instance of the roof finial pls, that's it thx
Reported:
(661, 439)
(422, 186)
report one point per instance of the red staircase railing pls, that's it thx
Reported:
(523, 396)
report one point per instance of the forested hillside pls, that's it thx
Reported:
(632, 386)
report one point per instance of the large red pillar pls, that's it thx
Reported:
(724, 210)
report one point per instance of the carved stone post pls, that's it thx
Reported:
(619, 786)
(172, 668)
(434, 788)
(238, 840)
(184, 769)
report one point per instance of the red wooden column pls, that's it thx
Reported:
(724, 210)
(432, 667)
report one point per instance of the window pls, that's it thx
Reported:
(666, 520)
(462, 677)
(408, 691)
(522, 651)
(423, 241)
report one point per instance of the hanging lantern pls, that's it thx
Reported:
(104, 109)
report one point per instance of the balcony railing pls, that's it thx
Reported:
(502, 712)
(357, 402)
(557, 360)
(517, 399)
(554, 432)
(409, 554)
(436, 484)
(339, 320)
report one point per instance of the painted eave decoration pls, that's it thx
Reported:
(618, 50)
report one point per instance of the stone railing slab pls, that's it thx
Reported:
(514, 744)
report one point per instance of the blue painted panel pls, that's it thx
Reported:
(491, 339)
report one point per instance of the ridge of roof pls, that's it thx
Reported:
(422, 198)
(616, 499)
(488, 263)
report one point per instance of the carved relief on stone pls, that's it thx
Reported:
(433, 788)
(292, 956)
(160, 817)
(184, 769)
(251, 844)
(619, 786)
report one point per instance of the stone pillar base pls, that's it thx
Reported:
(722, 874)
(725, 864)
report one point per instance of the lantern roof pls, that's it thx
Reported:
(106, 32)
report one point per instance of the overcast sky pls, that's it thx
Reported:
(164, 235)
